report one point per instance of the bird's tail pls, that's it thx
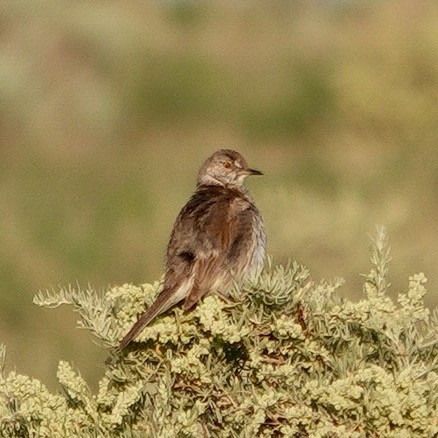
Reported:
(160, 305)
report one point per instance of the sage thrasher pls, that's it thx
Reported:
(218, 236)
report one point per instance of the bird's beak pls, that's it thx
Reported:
(254, 172)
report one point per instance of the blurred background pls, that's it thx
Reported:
(107, 109)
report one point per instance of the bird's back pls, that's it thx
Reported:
(217, 219)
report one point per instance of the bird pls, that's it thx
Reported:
(218, 237)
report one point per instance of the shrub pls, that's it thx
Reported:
(285, 356)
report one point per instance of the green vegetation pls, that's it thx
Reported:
(286, 356)
(108, 108)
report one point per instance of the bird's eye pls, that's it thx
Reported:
(227, 164)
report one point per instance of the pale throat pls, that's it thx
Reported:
(208, 179)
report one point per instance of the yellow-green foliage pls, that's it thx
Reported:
(108, 108)
(284, 356)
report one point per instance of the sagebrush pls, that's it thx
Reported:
(284, 356)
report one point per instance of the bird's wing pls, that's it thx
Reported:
(216, 229)
(208, 271)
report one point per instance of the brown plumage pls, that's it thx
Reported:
(218, 235)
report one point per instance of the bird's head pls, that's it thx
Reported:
(225, 168)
